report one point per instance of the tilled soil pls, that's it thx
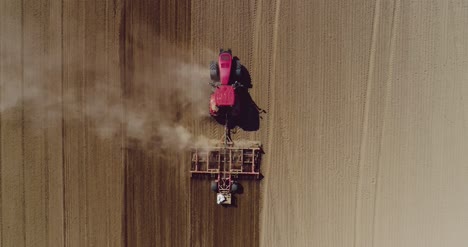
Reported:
(363, 122)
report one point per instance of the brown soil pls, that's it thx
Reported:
(365, 130)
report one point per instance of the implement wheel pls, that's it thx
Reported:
(234, 187)
(214, 186)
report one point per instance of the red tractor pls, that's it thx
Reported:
(226, 161)
(225, 75)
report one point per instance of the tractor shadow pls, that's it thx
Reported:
(249, 117)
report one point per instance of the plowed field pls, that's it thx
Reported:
(364, 127)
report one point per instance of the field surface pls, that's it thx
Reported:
(364, 122)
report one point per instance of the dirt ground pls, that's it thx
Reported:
(364, 131)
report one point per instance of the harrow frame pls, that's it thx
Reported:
(226, 164)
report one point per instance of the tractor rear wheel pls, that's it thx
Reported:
(214, 71)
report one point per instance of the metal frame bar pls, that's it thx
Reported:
(227, 160)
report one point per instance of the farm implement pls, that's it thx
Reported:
(226, 162)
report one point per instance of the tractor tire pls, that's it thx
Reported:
(234, 187)
(214, 71)
(238, 69)
(214, 186)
